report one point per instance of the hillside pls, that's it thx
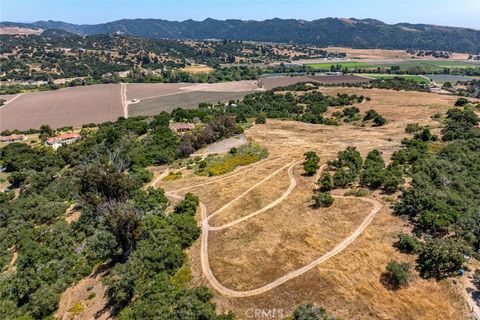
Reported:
(366, 33)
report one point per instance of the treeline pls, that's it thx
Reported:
(443, 202)
(121, 226)
(396, 83)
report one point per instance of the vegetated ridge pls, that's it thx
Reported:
(357, 33)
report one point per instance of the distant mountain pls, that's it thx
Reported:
(366, 33)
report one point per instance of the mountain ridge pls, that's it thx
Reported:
(349, 32)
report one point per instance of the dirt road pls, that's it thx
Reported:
(293, 182)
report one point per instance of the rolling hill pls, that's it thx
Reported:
(366, 33)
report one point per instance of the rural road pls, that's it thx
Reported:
(123, 92)
(293, 274)
(11, 100)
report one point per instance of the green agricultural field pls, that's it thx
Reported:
(418, 79)
(433, 65)
(349, 65)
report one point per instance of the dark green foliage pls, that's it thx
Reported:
(366, 33)
(461, 102)
(310, 165)
(120, 222)
(261, 119)
(373, 170)
(408, 243)
(461, 124)
(351, 114)
(370, 115)
(412, 128)
(150, 200)
(342, 178)
(476, 279)
(348, 164)
(441, 257)
(322, 200)
(310, 312)
(379, 121)
(300, 86)
(397, 274)
(392, 179)
(425, 135)
(325, 182)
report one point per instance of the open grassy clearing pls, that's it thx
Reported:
(348, 284)
(197, 68)
(416, 78)
(261, 250)
(209, 193)
(257, 198)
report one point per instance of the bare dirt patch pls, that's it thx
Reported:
(18, 30)
(232, 86)
(91, 294)
(151, 90)
(65, 107)
(186, 100)
(72, 213)
(198, 68)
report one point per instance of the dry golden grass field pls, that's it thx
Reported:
(251, 253)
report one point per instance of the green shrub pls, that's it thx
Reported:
(358, 192)
(322, 200)
(325, 182)
(408, 243)
(261, 119)
(412, 128)
(397, 274)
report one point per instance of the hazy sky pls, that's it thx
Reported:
(465, 13)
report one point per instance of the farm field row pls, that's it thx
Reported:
(416, 78)
(107, 102)
(405, 64)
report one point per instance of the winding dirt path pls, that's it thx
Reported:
(207, 271)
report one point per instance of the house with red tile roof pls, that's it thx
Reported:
(62, 139)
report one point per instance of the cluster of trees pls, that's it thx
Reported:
(350, 169)
(396, 83)
(464, 88)
(443, 201)
(299, 86)
(308, 107)
(352, 114)
(321, 198)
(216, 129)
(121, 224)
(99, 58)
